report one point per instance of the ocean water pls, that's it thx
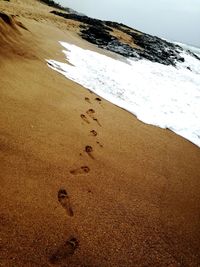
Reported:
(193, 49)
(160, 95)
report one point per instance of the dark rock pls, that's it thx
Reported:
(148, 47)
(97, 35)
(83, 19)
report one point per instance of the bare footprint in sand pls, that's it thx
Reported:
(99, 144)
(98, 99)
(83, 117)
(87, 100)
(90, 112)
(97, 121)
(93, 132)
(89, 150)
(64, 251)
(64, 200)
(81, 170)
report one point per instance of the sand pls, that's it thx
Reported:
(83, 182)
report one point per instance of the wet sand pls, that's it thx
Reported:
(83, 182)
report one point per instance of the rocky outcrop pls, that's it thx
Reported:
(144, 46)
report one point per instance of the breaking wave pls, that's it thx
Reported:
(157, 94)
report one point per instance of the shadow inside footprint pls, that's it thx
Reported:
(93, 132)
(64, 200)
(83, 117)
(89, 150)
(99, 144)
(82, 169)
(90, 112)
(98, 99)
(95, 119)
(64, 251)
(87, 99)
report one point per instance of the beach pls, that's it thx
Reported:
(134, 189)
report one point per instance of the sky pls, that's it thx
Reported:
(175, 20)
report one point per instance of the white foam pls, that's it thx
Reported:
(193, 49)
(160, 95)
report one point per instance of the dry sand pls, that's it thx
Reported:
(75, 191)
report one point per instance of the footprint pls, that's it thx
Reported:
(64, 200)
(64, 251)
(87, 99)
(98, 99)
(89, 150)
(93, 132)
(95, 119)
(84, 118)
(99, 144)
(90, 112)
(82, 169)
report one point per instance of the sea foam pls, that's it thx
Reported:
(157, 94)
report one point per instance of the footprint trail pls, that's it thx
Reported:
(83, 117)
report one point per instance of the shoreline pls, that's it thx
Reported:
(144, 97)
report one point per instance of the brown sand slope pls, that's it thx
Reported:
(83, 182)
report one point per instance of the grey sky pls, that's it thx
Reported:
(177, 20)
